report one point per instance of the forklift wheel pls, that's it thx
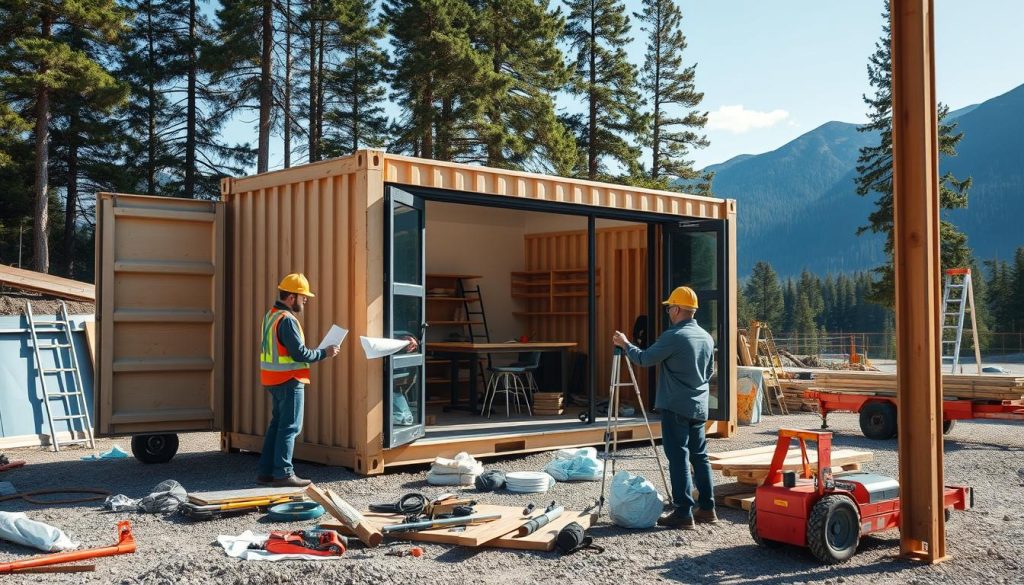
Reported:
(878, 420)
(947, 426)
(752, 524)
(154, 448)
(833, 531)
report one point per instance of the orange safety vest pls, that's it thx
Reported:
(276, 366)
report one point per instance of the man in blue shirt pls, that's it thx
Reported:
(684, 355)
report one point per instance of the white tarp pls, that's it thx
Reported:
(18, 528)
(377, 347)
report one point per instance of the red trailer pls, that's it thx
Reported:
(878, 411)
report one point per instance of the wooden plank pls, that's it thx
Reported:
(793, 460)
(90, 345)
(48, 284)
(228, 496)
(739, 501)
(500, 533)
(724, 455)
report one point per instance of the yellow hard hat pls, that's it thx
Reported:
(296, 283)
(683, 296)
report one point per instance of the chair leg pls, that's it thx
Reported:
(492, 388)
(526, 398)
(508, 411)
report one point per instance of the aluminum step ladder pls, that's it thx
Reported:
(768, 357)
(957, 301)
(73, 397)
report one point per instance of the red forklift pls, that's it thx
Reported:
(824, 512)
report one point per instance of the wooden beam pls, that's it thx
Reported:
(45, 283)
(916, 238)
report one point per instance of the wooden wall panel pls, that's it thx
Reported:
(622, 281)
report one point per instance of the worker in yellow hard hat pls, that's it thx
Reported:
(284, 371)
(684, 354)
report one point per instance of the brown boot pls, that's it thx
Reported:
(677, 520)
(701, 516)
(290, 481)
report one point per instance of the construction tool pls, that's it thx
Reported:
(529, 509)
(828, 513)
(321, 543)
(536, 523)
(58, 569)
(208, 511)
(440, 522)
(412, 552)
(958, 295)
(611, 432)
(346, 514)
(125, 544)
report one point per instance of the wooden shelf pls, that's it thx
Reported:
(553, 293)
(446, 299)
(454, 323)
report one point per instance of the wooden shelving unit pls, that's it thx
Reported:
(446, 299)
(553, 293)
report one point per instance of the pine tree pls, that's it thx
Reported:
(518, 127)
(438, 76)
(670, 87)
(354, 90)
(874, 172)
(598, 32)
(38, 64)
(765, 295)
(744, 312)
(789, 300)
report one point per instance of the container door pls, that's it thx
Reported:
(404, 280)
(695, 256)
(160, 294)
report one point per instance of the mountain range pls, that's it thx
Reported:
(798, 206)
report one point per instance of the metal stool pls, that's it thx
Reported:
(507, 380)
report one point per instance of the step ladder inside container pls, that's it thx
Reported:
(957, 301)
(476, 318)
(65, 377)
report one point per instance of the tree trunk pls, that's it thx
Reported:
(151, 134)
(314, 91)
(320, 88)
(71, 201)
(266, 88)
(41, 231)
(190, 107)
(427, 148)
(288, 85)
(355, 100)
(592, 99)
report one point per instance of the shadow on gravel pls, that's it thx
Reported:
(779, 566)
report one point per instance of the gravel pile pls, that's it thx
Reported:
(985, 544)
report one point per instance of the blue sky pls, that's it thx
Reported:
(773, 70)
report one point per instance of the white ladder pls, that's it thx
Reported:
(76, 412)
(611, 430)
(957, 300)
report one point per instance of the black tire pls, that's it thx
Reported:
(833, 530)
(878, 420)
(154, 448)
(752, 524)
(948, 426)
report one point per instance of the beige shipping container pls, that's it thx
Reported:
(369, 231)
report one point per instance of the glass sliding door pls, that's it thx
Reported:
(695, 256)
(404, 268)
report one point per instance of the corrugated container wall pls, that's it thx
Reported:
(312, 219)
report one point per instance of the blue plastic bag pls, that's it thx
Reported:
(575, 465)
(634, 503)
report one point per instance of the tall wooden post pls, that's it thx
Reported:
(916, 232)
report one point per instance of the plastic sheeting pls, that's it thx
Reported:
(18, 528)
(575, 465)
(634, 502)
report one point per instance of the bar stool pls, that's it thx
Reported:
(510, 381)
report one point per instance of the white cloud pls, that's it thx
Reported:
(739, 120)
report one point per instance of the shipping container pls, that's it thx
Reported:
(543, 268)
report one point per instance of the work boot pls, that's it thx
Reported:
(702, 516)
(290, 481)
(264, 479)
(677, 519)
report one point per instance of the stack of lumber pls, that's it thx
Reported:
(500, 533)
(966, 386)
(750, 467)
(547, 403)
(793, 390)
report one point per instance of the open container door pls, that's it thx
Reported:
(160, 294)
(405, 286)
(695, 256)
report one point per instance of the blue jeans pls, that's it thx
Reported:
(285, 424)
(685, 443)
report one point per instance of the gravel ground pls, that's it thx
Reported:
(985, 544)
